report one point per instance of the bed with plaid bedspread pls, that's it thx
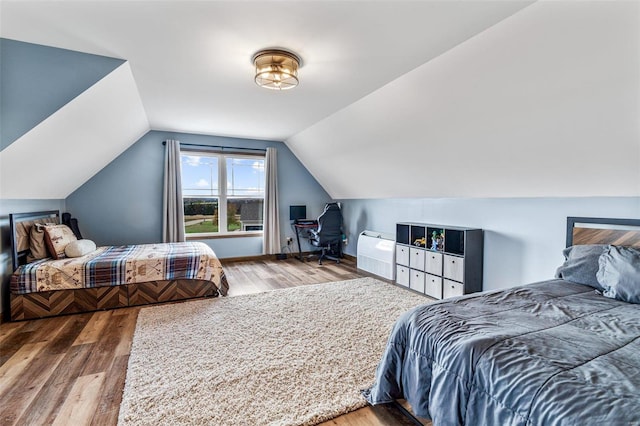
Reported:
(117, 265)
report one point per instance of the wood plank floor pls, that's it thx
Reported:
(70, 370)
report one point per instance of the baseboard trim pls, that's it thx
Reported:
(260, 257)
(248, 258)
(289, 256)
(377, 277)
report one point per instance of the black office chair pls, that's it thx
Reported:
(328, 236)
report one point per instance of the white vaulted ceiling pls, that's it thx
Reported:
(546, 103)
(192, 59)
(396, 98)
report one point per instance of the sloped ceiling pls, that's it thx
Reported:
(71, 145)
(397, 99)
(192, 59)
(545, 103)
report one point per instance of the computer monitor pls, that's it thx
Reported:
(297, 212)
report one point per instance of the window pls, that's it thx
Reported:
(222, 193)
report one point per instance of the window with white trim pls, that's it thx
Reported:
(223, 194)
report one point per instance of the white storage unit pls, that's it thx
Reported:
(402, 275)
(416, 258)
(416, 280)
(452, 289)
(453, 267)
(433, 286)
(433, 263)
(439, 267)
(402, 255)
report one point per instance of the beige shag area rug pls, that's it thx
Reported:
(296, 356)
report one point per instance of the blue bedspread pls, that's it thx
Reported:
(543, 354)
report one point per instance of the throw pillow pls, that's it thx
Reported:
(37, 244)
(79, 248)
(581, 264)
(619, 274)
(57, 237)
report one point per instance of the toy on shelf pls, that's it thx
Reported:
(420, 242)
(437, 240)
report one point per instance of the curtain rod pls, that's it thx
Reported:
(219, 146)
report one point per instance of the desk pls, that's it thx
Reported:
(301, 227)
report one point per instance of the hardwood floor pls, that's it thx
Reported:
(70, 370)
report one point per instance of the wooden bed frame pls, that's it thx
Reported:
(60, 302)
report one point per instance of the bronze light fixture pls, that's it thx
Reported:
(276, 69)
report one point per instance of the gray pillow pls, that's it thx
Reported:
(581, 264)
(619, 274)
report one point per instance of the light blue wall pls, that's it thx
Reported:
(36, 81)
(122, 203)
(523, 237)
(16, 206)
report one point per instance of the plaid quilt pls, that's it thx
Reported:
(116, 265)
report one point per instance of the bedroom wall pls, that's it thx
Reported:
(122, 203)
(36, 81)
(16, 206)
(523, 237)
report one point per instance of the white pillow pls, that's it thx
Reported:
(79, 248)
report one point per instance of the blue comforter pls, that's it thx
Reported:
(543, 354)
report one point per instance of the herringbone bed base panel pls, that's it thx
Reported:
(52, 303)
(167, 291)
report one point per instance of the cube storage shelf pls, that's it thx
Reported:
(439, 261)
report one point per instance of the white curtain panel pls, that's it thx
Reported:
(172, 206)
(271, 241)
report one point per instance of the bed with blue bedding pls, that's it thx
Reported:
(553, 352)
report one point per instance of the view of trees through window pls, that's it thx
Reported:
(222, 192)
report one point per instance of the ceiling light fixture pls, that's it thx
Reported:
(276, 69)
